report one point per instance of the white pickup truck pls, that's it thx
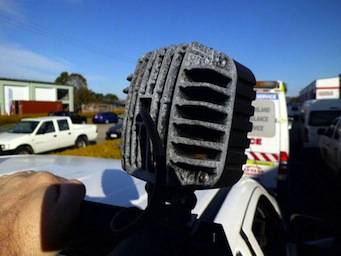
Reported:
(330, 145)
(38, 135)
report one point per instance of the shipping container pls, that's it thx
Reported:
(23, 107)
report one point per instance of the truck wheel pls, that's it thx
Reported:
(24, 150)
(81, 142)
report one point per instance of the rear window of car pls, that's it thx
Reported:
(323, 118)
(63, 125)
(264, 119)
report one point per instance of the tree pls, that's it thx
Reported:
(77, 81)
(82, 94)
(62, 78)
(74, 79)
(110, 98)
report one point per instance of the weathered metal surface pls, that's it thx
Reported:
(200, 100)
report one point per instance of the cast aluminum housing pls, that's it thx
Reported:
(200, 100)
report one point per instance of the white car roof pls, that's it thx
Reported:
(45, 118)
(106, 182)
(104, 179)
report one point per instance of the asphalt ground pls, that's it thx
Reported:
(102, 129)
(312, 189)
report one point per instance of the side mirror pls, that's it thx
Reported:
(321, 131)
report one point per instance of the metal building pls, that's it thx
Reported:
(17, 89)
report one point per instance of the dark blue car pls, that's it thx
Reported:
(114, 132)
(105, 118)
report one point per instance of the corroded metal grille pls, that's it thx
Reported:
(200, 100)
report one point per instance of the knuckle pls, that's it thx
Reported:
(45, 177)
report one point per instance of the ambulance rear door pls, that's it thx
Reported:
(263, 154)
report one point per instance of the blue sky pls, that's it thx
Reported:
(293, 41)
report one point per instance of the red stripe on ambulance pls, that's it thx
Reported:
(262, 156)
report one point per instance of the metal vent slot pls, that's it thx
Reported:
(198, 132)
(205, 94)
(201, 113)
(196, 152)
(145, 103)
(196, 168)
(200, 100)
(207, 76)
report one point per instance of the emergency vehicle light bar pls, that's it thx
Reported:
(268, 84)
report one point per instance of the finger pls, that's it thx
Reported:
(72, 192)
(62, 203)
(45, 178)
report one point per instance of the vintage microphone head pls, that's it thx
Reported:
(200, 100)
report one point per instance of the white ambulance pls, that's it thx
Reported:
(269, 149)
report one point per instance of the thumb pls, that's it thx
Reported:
(66, 211)
(71, 194)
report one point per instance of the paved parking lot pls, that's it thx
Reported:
(102, 129)
(312, 187)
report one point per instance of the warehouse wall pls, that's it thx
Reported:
(27, 90)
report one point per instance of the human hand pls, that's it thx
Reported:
(37, 211)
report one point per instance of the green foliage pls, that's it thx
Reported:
(16, 118)
(77, 80)
(83, 95)
(106, 149)
(110, 98)
(62, 78)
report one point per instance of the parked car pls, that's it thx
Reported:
(38, 135)
(75, 118)
(330, 145)
(105, 118)
(294, 111)
(318, 115)
(114, 132)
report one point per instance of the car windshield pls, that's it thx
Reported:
(24, 127)
(323, 118)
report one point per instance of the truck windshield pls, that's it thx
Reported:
(323, 118)
(264, 119)
(24, 127)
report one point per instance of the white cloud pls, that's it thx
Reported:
(17, 62)
(11, 9)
